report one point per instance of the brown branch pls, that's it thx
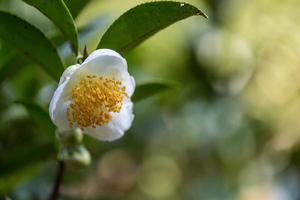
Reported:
(58, 180)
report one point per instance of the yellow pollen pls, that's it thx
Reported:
(93, 100)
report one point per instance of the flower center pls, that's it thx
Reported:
(94, 99)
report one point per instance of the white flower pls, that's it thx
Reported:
(95, 96)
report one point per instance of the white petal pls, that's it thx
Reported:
(57, 106)
(105, 62)
(53, 103)
(130, 85)
(125, 117)
(116, 128)
(107, 132)
(103, 52)
(68, 73)
(60, 116)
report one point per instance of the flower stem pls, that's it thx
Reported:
(58, 180)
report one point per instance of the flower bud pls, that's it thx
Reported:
(70, 137)
(75, 157)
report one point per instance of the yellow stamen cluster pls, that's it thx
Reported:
(93, 99)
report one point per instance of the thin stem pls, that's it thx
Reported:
(58, 180)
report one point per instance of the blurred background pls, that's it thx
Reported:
(230, 129)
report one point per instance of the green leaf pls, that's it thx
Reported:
(31, 43)
(10, 64)
(5, 54)
(146, 90)
(41, 118)
(57, 11)
(76, 6)
(10, 68)
(25, 156)
(10, 180)
(88, 36)
(143, 21)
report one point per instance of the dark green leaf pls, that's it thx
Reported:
(5, 54)
(57, 11)
(141, 22)
(41, 118)
(10, 180)
(9, 65)
(31, 43)
(76, 6)
(7, 70)
(25, 156)
(146, 90)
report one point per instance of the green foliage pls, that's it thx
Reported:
(8, 181)
(10, 63)
(146, 90)
(6, 68)
(35, 151)
(41, 118)
(31, 43)
(76, 6)
(5, 54)
(10, 68)
(233, 121)
(58, 12)
(34, 154)
(143, 21)
(88, 35)
(28, 138)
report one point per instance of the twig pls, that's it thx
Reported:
(58, 180)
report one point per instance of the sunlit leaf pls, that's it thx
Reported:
(143, 21)
(146, 90)
(30, 42)
(58, 12)
(76, 6)
(40, 117)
